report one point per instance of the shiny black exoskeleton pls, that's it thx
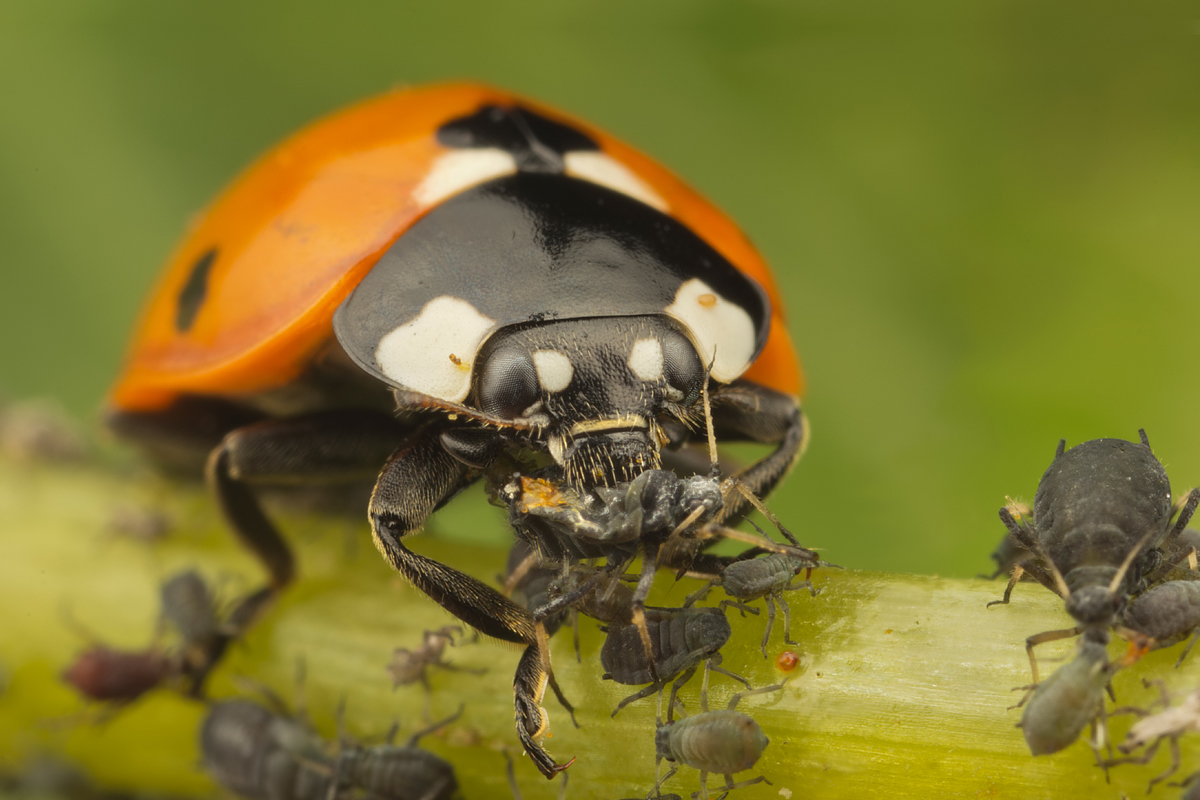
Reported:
(1101, 518)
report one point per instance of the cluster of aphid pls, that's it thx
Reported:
(1105, 535)
(261, 751)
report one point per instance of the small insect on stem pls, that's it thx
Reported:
(724, 741)
(410, 666)
(682, 638)
(1167, 725)
(768, 577)
(1058, 708)
(1101, 521)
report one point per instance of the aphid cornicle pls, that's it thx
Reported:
(1101, 514)
(536, 285)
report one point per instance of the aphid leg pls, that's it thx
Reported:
(1145, 758)
(737, 698)
(1171, 770)
(770, 624)
(703, 794)
(544, 648)
(1191, 643)
(766, 512)
(645, 692)
(715, 662)
(730, 785)
(1028, 689)
(1190, 501)
(649, 567)
(1013, 580)
(738, 604)
(701, 593)
(677, 685)
(787, 618)
(1042, 638)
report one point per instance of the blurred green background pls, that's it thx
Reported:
(985, 215)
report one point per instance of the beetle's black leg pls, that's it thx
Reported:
(529, 686)
(418, 479)
(329, 448)
(747, 411)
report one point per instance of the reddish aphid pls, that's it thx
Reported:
(118, 676)
(786, 661)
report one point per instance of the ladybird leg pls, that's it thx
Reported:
(418, 478)
(529, 686)
(747, 411)
(645, 581)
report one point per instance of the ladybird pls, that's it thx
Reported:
(443, 281)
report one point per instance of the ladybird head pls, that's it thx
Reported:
(594, 390)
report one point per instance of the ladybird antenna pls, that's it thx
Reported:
(714, 468)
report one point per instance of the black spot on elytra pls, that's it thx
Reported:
(191, 296)
(537, 143)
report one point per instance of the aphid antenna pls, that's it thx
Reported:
(1134, 552)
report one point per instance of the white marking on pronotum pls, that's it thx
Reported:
(433, 353)
(646, 359)
(597, 167)
(462, 169)
(554, 370)
(723, 331)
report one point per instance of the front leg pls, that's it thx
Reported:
(418, 479)
(746, 411)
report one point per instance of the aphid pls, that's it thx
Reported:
(396, 772)
(767, 576)
(681, 639)
(1168, 724)
(1101, 512)
(1166, 614)
(409, 666)
(122, 676)
(1009, 552)
(724, 741)
(119, 676)
(786, 661)
(263, 755)
(1058, 708)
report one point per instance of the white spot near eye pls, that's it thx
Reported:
(597, 167)
(554, 370)
(462, 169)
(646, 359)
(433, 353)
(719, 328)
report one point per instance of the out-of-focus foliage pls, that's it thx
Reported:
(983, 214)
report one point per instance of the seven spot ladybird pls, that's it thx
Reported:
(445, 281)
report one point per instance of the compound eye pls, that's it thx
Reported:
(508, 384)
(682, 366)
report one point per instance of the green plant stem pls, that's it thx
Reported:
(902, 691)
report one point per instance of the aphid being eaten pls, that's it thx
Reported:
(725, 741)
(1102, 512)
